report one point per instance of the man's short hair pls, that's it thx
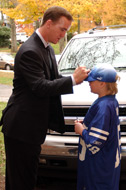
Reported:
(54, 13)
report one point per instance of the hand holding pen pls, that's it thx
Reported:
(80, 74)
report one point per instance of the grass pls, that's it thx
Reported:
(5, 50)
(2, 152)
(6, 78)
(55, 47)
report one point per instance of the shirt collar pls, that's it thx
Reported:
(42, 39)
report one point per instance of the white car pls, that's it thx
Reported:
(6, 61)
(21, 37)
(57, 58)
(99, 45)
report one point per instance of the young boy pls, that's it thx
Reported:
(99, 143)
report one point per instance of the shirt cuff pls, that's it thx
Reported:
(73, 81)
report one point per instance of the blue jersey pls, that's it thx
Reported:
(99, 147)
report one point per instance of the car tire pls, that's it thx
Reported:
(7, 67)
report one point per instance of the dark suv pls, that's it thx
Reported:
(99, 45)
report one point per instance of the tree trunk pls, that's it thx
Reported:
(2, 16)
(62, 43)
(13, 36)
(78, 24)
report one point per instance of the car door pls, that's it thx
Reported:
(2, 63)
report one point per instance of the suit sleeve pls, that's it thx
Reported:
(35, 72)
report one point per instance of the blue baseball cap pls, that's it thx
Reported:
(102, 72)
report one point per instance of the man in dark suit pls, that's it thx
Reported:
(35, 104)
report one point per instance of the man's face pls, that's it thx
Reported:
(57, 30)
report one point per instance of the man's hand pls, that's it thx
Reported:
(80, 74)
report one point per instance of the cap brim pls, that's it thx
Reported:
(89, 79)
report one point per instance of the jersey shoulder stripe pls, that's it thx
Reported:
(97, 136)
(100, 131)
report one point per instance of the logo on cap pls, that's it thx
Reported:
(99, 78)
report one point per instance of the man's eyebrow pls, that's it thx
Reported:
(64, 29)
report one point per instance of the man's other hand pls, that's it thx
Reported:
(80, 74)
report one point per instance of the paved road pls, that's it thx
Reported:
(5, 92)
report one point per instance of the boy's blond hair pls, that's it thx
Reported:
(112, 86)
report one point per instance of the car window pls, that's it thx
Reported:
(6, 57)
(1, 58)
(91, 51)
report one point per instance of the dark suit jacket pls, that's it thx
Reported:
(35, 103)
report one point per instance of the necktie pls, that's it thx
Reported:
(49, 57)
(51, 64)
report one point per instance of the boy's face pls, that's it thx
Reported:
(97, 87)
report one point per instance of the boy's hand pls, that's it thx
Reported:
(78, 127)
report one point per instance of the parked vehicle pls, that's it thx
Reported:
(99, 45)
(21, 37)
(6, 61)
(57, 58)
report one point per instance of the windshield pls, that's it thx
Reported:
(91, 51)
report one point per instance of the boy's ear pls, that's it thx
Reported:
(103, 84)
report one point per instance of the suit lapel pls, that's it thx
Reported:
(54, 65)
(45, 55)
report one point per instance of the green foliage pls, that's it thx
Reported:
(1, 22)
(97, 19)
(4, 36)
(69, 36)
(56, 48)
